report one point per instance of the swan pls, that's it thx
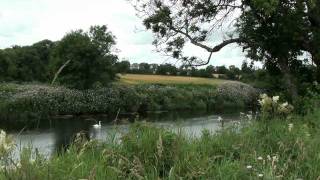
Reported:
(97, 126)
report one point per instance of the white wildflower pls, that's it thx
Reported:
(260, 175)
(263, 96)
(2, 137)
(260, 158)
(269, 157)
(249, 167)
(275, 99)
(290, 126)
(275, 158)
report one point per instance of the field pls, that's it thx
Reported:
(162, 79)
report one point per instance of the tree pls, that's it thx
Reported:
(144, 68)
(275, 33)
(167, 69)
(5, 66)
(177, 22)
(245, 68)
(222, 69)
(26, 63)
(271, 31)
(90, 55)
(123, 66)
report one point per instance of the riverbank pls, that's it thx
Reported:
(267, 149)
(30, 103)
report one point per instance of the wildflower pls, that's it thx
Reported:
(275, 158)
(260, 175)
(269, 157)
(249, 167)
(263, 96)
(290, 126)
(260, 158)
(275, 99)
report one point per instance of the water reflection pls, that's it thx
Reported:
(61, 133)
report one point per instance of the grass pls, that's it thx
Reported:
(269, 148)
(162, 79)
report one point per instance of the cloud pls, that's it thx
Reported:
(24, 22)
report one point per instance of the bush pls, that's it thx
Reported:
(237, 93)
(30, 103)
(272, 108)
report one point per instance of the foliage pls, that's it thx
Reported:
(311, 100)
(27, 63)
(123, 66)
(29, 103)
(274, 32)
(176, 23)
(237, 92)
(92, 61)
(272, 108)
(286, 149)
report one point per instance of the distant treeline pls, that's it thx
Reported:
(39, 62)
(231, 72)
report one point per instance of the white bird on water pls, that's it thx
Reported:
(97, 126)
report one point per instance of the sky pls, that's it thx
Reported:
(24, 22)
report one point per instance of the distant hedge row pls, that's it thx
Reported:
(31, 102)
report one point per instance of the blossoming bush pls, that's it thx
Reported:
(271, 107)
(237, 93)
(35, 102)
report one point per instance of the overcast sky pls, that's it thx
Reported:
(24, 22)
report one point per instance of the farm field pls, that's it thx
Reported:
(163, 79)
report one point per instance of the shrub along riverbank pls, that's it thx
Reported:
(269, 149)
(29, 103)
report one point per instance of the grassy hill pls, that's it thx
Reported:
(164, 79)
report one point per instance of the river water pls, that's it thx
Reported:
(58, 134)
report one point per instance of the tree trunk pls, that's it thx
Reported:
(289, 81)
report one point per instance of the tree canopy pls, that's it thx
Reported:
(91, 57)
(274, 32)
(91, 60)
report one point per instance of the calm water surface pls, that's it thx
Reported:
(53, 137)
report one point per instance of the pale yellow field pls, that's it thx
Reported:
(162, 79)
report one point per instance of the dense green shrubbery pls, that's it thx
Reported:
(267, 149)
(22, 102)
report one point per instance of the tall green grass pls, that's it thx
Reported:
(273, 149)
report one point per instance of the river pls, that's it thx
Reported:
(52, 137)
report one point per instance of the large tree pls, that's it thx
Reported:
(177, 22)
(271, 31)
(90, 55)
(278, 32)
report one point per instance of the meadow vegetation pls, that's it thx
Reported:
(283, 147)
